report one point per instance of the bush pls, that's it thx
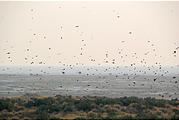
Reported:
(42, 115)
(176, 111)
(126, 117)
(148, 116)
(125, 101)
(44, 101)
(80, 118)
(6, 104)
(151, 102)
(138, 107)
(84, 105)
(29, 104)
(92, 115)
(67, 108)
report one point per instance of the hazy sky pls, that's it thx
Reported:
(89, 33)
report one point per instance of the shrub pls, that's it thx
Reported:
(42, 115)
(176, 111)
(6, 104)
(80, 118)
(83, 105)
(92, 115)
(67, 108)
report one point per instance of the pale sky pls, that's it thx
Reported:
(89, 33)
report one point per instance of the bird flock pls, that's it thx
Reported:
(112, 66)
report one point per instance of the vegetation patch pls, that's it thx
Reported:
(68, 107)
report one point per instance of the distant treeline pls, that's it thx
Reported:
(71, 107)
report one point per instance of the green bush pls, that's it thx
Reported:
(6, 104)
(125, 101)
(92, 116)
(148, 116)
(42, 115)
(111, 113)
(29, 104)
(67, 108)
(80, 118)
(83, 105)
